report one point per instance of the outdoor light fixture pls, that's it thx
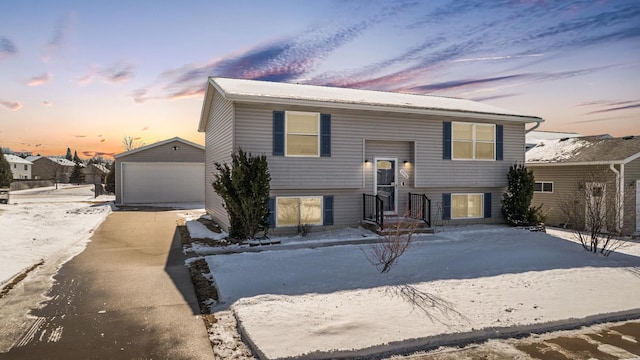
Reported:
(175, 148)
(366, 161)
(405, 162)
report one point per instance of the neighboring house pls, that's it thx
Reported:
(95, 173)
(608, 168)
(338, 156)
(169, 171)
(533, 138)
(51, 168)
(20, 168)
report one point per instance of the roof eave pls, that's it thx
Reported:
(159, 143)
(374, 107)
(581, 163)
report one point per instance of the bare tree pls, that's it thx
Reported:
(131, 143)
(592, 209)
(385, 253)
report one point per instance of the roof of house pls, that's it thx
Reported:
(585, 150)
(312, 95)
(146, 147)
(60, 160)
(103, 169)
(16, 159)
(536, 136)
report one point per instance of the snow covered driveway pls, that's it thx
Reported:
(452, 285)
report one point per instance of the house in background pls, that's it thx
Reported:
(608, 168)
(339, 156)
(20, 168)
(533, 138)
(169, 171)
(95, 174)
(51, 168)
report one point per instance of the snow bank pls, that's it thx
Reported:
(331, 301)
(197, 230)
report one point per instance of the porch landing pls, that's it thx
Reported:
(404, 225)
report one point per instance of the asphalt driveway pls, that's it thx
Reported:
(128, 295)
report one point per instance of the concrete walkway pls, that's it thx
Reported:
(127, 296)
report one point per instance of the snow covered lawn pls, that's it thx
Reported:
(457, 284)
(47, 223)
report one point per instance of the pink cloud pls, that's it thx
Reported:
(11, 105)
(39, 80)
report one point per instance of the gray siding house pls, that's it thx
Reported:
(609, 168)
(338, 156)
(169, 171)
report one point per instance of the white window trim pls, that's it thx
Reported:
(542, 187)
(300, 198)
(286, 132)
(473, 141)
(481, 216)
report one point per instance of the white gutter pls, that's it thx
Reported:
(620, 193)
(537, 125)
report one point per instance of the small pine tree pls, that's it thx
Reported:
(77, 176)
(244, 188)
(110, 185)
(5, 171)
(76, 158)
(68, 156)
(516, 202)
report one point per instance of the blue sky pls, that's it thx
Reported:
(86, 74)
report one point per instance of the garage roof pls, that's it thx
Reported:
(159, 143)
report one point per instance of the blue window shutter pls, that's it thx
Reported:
(446, 206)
(499, 142)
(325, 134)
(272, 212)
(487, 205)
(328, 210)
(278, 133)
(446, 140)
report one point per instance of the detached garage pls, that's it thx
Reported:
(169, 171)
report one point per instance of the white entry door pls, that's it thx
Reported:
(385, 183)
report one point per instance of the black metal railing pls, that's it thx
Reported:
(420, 207)
(372, 209)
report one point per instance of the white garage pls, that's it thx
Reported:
(144, 183)
(169, 171)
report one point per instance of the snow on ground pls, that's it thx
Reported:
(461, 283)
(38, 223)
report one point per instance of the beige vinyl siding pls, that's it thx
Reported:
(219, 140)
(349, 129)
(631, 174)
(565, 181)
(162, 153)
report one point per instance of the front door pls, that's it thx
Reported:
(385, 184)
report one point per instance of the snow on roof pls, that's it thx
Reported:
(33, 158)
(586, 149)
(537, 136)
(62, 161)
(16, 159)
(274, 92)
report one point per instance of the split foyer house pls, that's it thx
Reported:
(20, 168)
(583, 173)
(339, 156)
(51, 168)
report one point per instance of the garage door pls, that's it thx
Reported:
(145, 183)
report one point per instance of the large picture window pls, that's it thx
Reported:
(464, 206)
(291, 211)
(472, 141)
(302, 134)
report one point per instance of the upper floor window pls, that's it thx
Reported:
(472, 141)
(302, 133)
(543, 186)
(26, 167)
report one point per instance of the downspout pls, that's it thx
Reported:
(620, 195)
(537, 125)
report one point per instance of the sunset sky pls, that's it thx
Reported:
(85, 74)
